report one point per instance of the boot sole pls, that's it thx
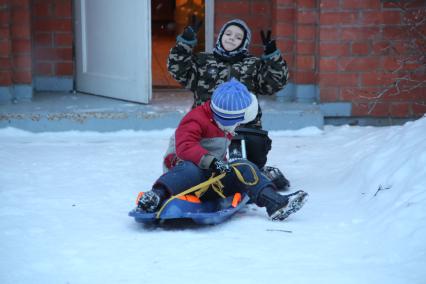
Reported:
(292, 207)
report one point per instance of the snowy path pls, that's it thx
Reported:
(64, 200)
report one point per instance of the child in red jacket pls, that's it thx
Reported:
(202, 139)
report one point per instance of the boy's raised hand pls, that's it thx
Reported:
(269, 44)
(190, 32)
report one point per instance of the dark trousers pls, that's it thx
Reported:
(186, 175)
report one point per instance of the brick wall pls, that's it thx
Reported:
(367, 53)
(372, 54)
(15, 43)
(53, 38)
(256, 13)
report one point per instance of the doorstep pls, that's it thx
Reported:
(55, 111)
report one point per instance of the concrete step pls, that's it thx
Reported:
(50, 112)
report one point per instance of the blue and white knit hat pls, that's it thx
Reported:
(233, 104)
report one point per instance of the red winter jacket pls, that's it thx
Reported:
(198, 139)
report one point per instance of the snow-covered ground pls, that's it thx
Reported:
(64, 200)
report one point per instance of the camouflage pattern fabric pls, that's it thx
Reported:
(203, 72)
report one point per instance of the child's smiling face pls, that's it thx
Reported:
(232, 38)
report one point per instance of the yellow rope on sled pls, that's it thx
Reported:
(215, 183)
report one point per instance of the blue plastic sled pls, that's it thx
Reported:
(206, 212)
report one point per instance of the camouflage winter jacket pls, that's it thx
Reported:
(203, 72)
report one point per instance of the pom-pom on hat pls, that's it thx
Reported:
(233, 104)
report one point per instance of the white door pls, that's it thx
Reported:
(113, 48)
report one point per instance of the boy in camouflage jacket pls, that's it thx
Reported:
(203, 72)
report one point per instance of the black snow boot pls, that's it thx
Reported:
(278, 206)
(277, 177)
(151, 200)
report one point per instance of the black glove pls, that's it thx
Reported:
(220, 167)
(190, 32)
(269, 44)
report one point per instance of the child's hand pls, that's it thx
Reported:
(269, 44)
(220, 167)
(190, 32)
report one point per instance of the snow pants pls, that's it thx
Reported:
(186, 175)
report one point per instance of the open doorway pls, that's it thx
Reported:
(169, 18)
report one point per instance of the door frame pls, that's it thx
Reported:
(209, 25)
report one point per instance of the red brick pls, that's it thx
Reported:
(412, 66)
(382, 47)
(391, 17)
(396, 32)
(23, 4)
(21, 46)
(328, 65)
(20, 17)
(360, 48)
(414, 4)
(304, 77)
(329, 94)
(22, 77)
(285, 3)
(379, 109)
(307, 17)
(4, 34)
(42, 9)
(338, 79)
(256, 22)
(64, 39)
(285, 46)
(4, 18)
(329, 4)
(43, 39)
(359, 63)
(22, 61)
(331, 34)
(419, 108)
(307, 47)
(44, 69)
(378, 79)
(5, 48)
(18, 31)
(402, 109)
(256, 50)
(305, 62)
(381, 17)
(62, 9)
(306, 32)
(5, 78)
(334, 49)
(286, 15)
(357, 4)
(338, 18)
(285, 30)
(419, 94)
(61, 54)
(53, 25)
(64, 69)
(390, 64)
(356, 93)
(359, 108)
(306, 4)
(234, 8)
(360, 33)
(5, 63)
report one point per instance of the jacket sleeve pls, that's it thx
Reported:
(181, 62)
(188, 147)
(272, 73)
